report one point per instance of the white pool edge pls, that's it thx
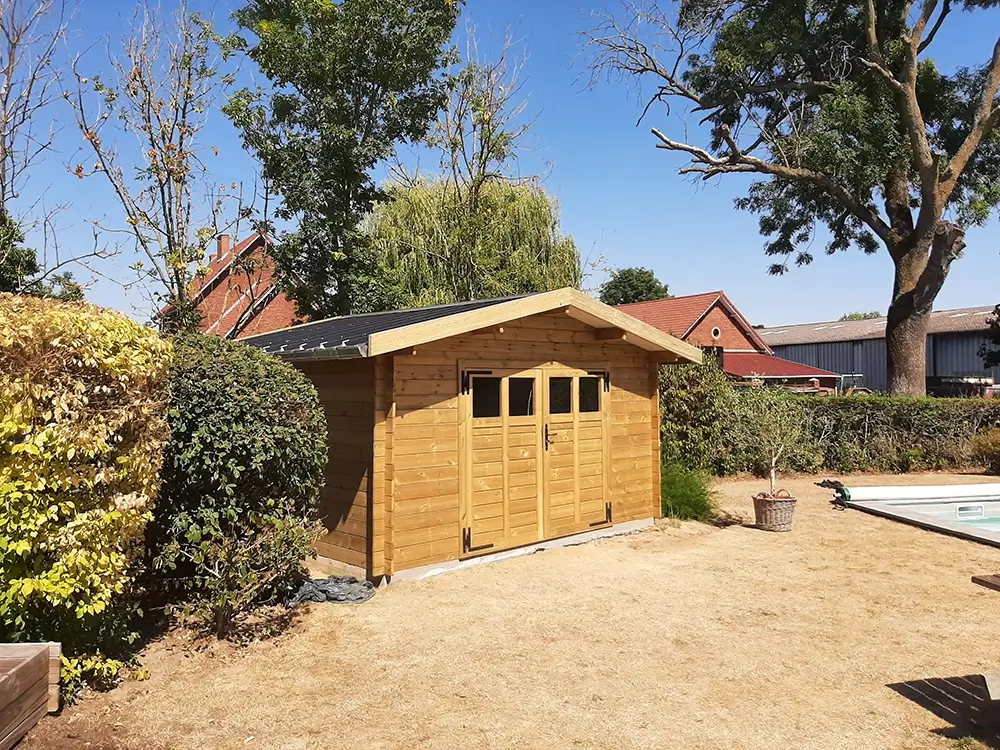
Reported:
(884, 509)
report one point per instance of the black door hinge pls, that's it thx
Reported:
(467, 542)
(467, 378)
(607, 516)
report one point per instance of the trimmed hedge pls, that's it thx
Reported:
(707, 424)
(82, 395)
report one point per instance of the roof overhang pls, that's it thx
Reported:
(576, 304)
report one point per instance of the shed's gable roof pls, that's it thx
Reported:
(381, 333)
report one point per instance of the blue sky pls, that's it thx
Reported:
(621, 198)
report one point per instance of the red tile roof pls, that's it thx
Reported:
(678, 315)
(675, 315)
(752, 364)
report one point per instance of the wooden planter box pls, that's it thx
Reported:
(29, 687)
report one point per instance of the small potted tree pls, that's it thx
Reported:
(777, 425)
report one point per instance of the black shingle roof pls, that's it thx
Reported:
(348, 336)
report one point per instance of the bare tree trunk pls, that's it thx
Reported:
(906, 346)
(920, 274)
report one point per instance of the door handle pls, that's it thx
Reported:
(546, 437)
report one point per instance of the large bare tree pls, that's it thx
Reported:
(145, 130)
(840, 108)
(31, 33)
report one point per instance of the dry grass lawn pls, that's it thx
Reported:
(684, 637)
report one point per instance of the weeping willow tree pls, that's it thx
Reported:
(430, 245)
(479, 228)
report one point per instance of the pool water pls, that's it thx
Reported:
(979, 514)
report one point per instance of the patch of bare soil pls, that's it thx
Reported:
(850, 632)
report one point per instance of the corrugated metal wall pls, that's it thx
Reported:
(947, 354)
(958, 354)
(865, 357)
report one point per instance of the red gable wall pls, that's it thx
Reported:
(733, 338)
(692, 318)
(230, 289)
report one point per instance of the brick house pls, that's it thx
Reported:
(711, 320)
(238, 296)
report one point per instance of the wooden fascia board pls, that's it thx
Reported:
(577, 304)
(637, 333)
(465, 323)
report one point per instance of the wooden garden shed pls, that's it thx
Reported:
(468, 429)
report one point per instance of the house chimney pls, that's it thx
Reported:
(222, 247)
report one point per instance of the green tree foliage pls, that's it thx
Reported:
(429, 248)
(21, 273)
(82, 395)
(241, 478)
(840, 109)
(352, 79)
(990, 351)
(871, 315)
(627, 285)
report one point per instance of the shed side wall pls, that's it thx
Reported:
(425, 443)
(347, 390)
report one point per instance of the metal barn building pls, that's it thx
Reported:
(857, 347)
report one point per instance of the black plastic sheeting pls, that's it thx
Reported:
(347, 589)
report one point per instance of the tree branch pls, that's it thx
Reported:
(945, 9)
(708, 166)
(986, 118)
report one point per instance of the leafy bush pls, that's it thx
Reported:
(986, 450)
(684, 493)
(241, 478)
(82, 395)
(696, 403)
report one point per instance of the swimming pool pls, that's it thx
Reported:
(969, 511)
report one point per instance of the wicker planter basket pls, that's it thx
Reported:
(774, 513)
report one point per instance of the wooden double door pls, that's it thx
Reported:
(534, 454)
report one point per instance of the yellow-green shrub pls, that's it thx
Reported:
(82, 396)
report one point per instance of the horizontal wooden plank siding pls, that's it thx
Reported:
(381, 524)
(425, 464)
(347, 390)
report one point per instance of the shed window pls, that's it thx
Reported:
(521, 397)
(590, 394)
(485, 397)
(560, 395)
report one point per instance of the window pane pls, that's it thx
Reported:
(560, 395)
(521, 397)
(590, 394)
(485, 397)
